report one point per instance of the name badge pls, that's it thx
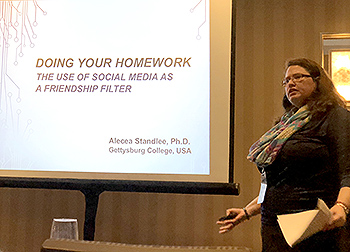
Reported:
(263, 187)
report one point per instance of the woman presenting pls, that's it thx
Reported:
(305, 156)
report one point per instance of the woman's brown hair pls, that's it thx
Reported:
(325, 94)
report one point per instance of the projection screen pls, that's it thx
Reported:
(116, 90)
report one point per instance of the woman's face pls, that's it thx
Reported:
(298, 89)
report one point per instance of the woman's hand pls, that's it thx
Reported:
(239, 215)
(338, 218)
(228, 225)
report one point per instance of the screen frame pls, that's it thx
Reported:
(154, 186)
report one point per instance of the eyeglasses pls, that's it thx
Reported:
(296, 78)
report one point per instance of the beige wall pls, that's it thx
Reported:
(268, 32)
(26, 216)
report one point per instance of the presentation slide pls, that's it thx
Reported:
(108, 86)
